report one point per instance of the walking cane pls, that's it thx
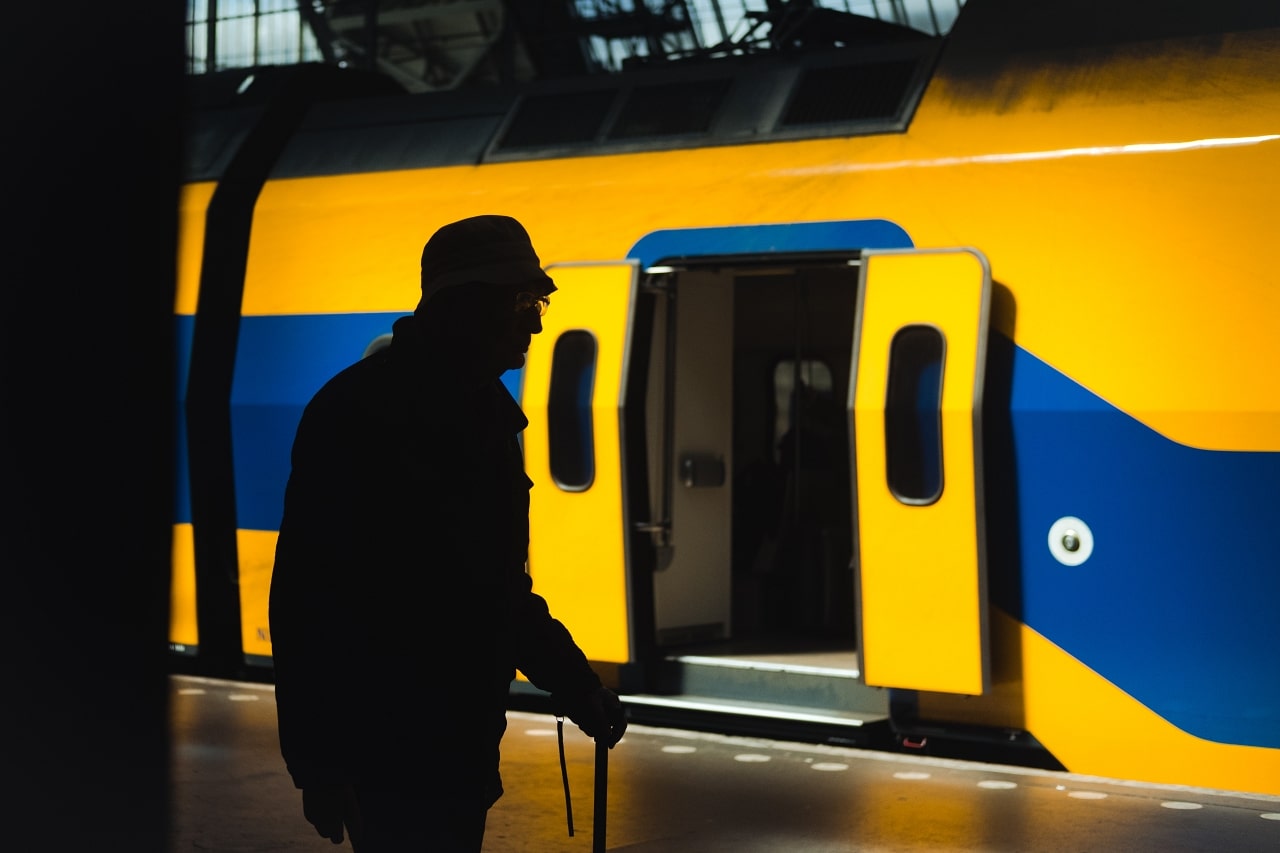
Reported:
(602, 795)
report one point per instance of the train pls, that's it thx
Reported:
(955, 357)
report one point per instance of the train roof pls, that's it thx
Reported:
(870, 83)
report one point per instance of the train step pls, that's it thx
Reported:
(782, 680)
(787, 697)
(780, 721)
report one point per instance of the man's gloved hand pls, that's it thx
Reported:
(324, 808)
(599, 714)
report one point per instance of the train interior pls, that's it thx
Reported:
(749, 421)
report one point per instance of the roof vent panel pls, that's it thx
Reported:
(843, 94)
(556, 119)
(670, 109)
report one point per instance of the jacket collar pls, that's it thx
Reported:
(435, 379)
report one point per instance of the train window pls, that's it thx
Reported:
(913, 415)
(569, 425)
(558, 119)
(670, 109)
(845, 93)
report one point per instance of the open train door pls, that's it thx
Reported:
(573, 393)
(919, 356)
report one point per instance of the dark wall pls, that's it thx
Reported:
(89, 186)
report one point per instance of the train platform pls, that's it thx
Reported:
(673, 791)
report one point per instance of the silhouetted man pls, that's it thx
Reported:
(400, 604)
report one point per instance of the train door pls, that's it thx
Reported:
(748, 459)
(919, 362)
(574, 389)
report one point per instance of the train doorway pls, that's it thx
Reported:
(748, 455)
(750, 400)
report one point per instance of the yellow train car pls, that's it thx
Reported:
(953, 358)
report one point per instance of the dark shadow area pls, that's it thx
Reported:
(91, 144)
(1000, 466)
(986, 53)
(792, 535)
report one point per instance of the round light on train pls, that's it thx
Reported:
(1070, 541)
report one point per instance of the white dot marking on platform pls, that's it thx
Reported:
(997, 784)
(677, 749)
(1179, 804)
(540, 732)
(1088, 795)
(910, 774)
(829, 766)
(751, 758)
(1270, 816)
(243, 697)
(191, 691)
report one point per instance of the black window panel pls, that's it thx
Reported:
(847, 93)
(569, 421)
(558, 119)
(913, 415)
(672, 109)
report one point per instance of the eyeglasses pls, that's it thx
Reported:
(527, 301)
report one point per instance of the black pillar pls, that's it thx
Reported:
(89, 186)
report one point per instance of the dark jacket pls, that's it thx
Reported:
(400, 606)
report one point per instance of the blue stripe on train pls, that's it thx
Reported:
(1177, 603)
(184, 331)
(291, 357)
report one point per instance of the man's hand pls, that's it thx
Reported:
(600, 716)
(324, 807)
